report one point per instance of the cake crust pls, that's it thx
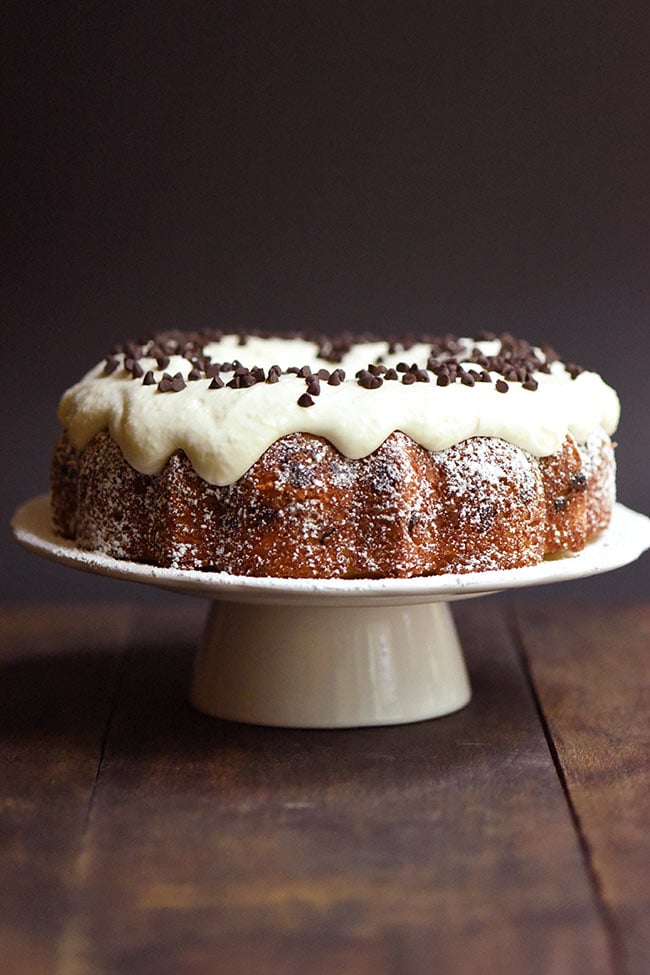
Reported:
(305, 511)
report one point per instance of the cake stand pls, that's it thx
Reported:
(333, 653)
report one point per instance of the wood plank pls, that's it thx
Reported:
(445, 845)
(590, 670)
(58, 669)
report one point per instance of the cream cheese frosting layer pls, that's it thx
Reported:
(224, 431)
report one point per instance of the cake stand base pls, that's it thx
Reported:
(329, 667)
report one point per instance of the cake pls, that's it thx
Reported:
(334, 458)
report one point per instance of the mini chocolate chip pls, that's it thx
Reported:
(421, 375)
(163, 361)
(391, 374)
(293, 369)
(149, 379)
(217, 383)
(194, 374)
(486, 377)
(272, 377)
(408, 379)
(178, 382)
(573, 370)
(213, 369)
(110, 365)
(337, 377)
(560, 503)
(314, 387)
(467, 379)
(305, 400)
(323, 374)
(501, 386)
(305, 371)
(402, 367)
(578, 481)
(530, 383)
(443, 379)
(367, 381)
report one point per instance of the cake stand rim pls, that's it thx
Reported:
(627, 537)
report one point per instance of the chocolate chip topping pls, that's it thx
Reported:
(515, 360)
(110, 365)
(305, 400)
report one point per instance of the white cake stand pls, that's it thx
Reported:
(334, 652)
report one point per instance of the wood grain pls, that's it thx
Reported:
(590, 667)
(58, 669)
(443, 846)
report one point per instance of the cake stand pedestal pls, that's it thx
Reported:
(333, 653)
(324, 666)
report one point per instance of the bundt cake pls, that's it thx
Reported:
(376, 458)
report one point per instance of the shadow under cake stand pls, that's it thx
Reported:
(333, 653)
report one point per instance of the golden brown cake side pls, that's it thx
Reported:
(305, 510)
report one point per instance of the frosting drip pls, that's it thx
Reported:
(224, 431)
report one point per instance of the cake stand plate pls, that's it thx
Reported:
(333, 653)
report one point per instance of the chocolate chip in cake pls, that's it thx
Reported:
(578, 481)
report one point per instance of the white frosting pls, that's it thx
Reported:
(224, 431)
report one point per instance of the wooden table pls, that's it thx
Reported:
(141, 837)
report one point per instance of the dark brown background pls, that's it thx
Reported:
(439, 166)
